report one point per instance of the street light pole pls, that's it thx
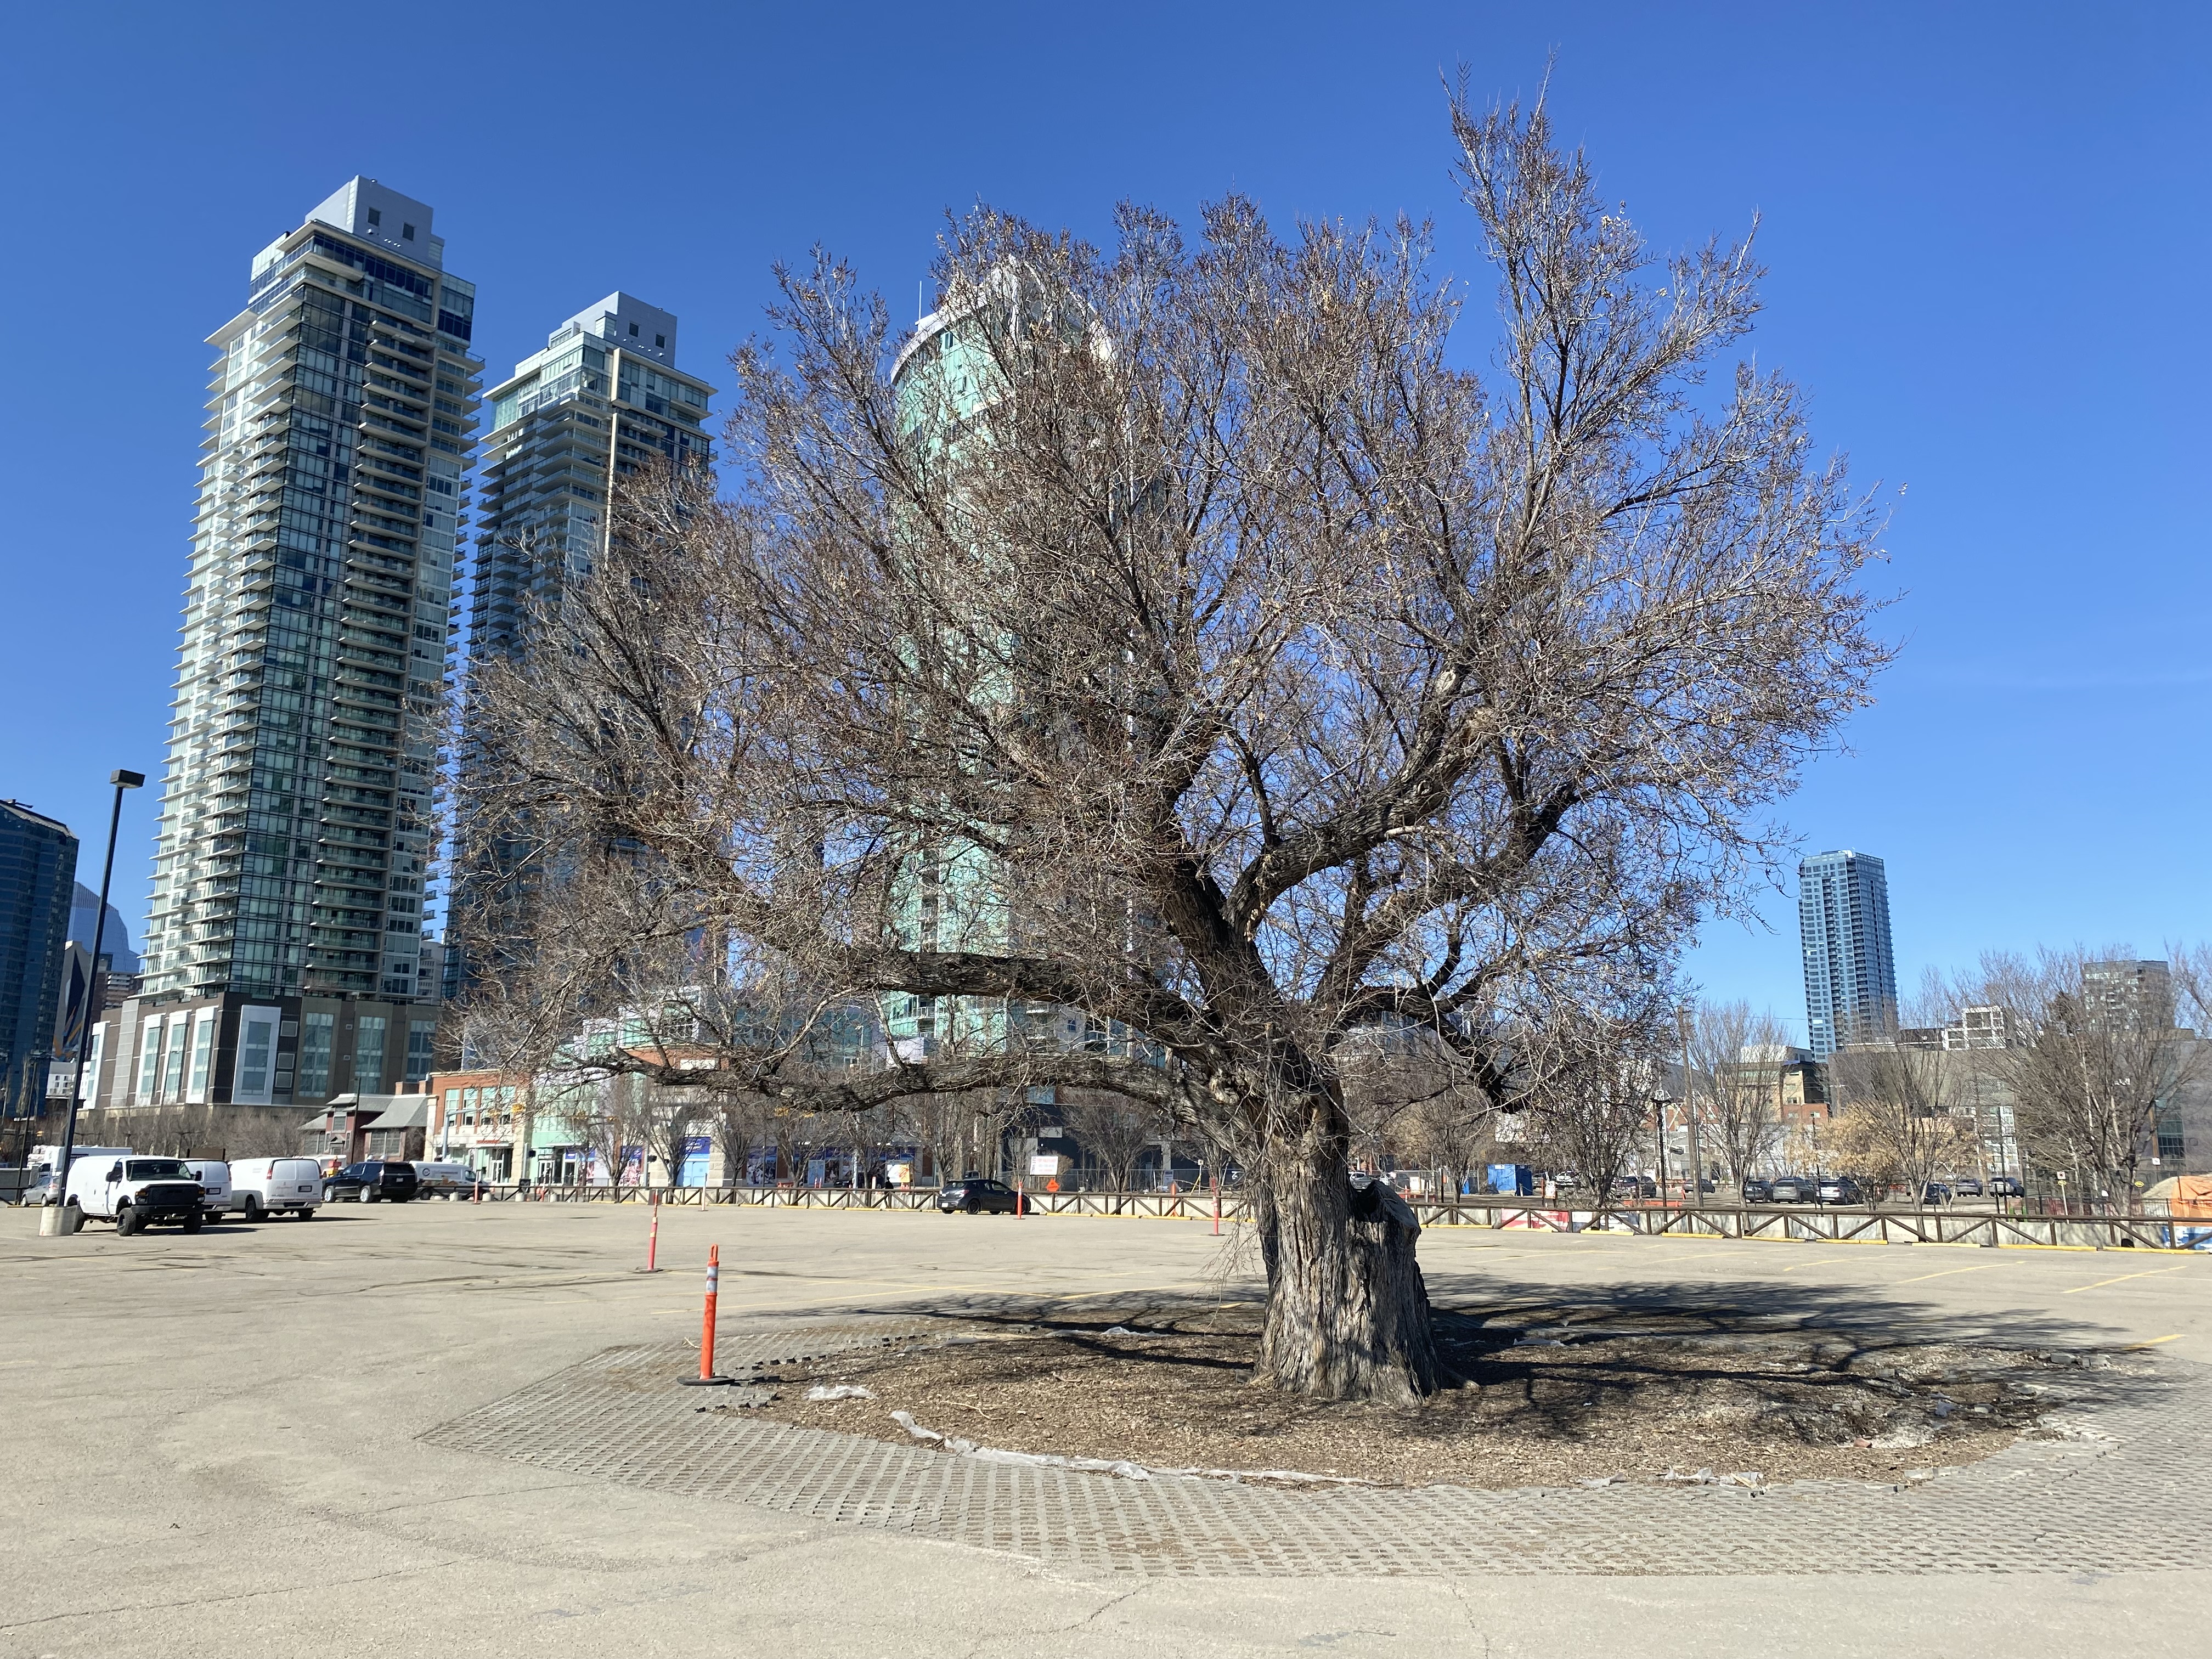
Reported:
(51, 1221)
(1690, 1106)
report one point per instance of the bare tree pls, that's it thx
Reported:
(1598, 1072)
(1112, 1131)
(1736, 1064)
(2100, 1044)
(1898, 1121)
(740, 1124)
(1175, 634)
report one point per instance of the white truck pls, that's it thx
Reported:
(133, 1192)
(276, 1186)
(214, 1176)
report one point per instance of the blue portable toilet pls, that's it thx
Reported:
(1512, 1179)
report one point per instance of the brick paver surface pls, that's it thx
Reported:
(2124, 1496)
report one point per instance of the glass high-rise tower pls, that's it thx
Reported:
(604, 401)
(295, 836)
(38, 876)
(294, 845)
(1851, 974)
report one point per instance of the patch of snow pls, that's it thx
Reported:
(840, 1391)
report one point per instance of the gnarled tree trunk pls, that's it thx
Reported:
(1347, 1311)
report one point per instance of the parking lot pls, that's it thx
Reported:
(225, 1449)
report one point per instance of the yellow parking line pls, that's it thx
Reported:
(1947, 1272)
(1823, 1260)
(2146, 1274)
(2155, 1341)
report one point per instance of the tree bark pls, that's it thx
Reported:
(1347, 1309)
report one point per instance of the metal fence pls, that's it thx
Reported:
(1830, 1224)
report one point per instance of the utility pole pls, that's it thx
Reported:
(52, 1220)
(1690, 1106)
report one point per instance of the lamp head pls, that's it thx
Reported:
(123, 780)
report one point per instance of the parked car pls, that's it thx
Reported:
(1967, 1187)
(384, 1179)
(2006, 1186)
(1793, 1189)
(1839, 1189)
(1629, 1186)
(1935, 1192)
(276, 1186)
(972, 1195)
(453, 1181)
(135, 1193)
(1757, 1191)
(214, 1176)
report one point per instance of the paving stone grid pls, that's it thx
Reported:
(2129, 1502)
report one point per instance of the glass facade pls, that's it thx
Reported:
(38, 884)
(1851, 974)
(296, 835)
(318, 1034)
(602, 401)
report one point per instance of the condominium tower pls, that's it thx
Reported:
(602, 401)
(1850, 975)
(294, 839)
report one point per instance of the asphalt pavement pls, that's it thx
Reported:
(223, 1449)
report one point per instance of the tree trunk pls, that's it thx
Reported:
(1348, 1311)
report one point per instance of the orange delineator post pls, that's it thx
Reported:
(1216, 1206)
(707, 1328)
(653, 1238)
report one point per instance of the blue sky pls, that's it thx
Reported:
(1987, 228)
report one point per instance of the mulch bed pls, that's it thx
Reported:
(1548, 1395)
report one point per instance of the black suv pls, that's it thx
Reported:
(1756, 1191)
(974, 1193)
(367, 1183)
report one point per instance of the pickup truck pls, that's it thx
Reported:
(135, 1192)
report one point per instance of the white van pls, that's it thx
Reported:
(39, 1170)
(134, 1193)
(273, 1186)
(214, 1176)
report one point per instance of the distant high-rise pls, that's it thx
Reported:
(2129, 993)
(283, 956)
(1851, 975)
(602, 401)
(38, 878)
